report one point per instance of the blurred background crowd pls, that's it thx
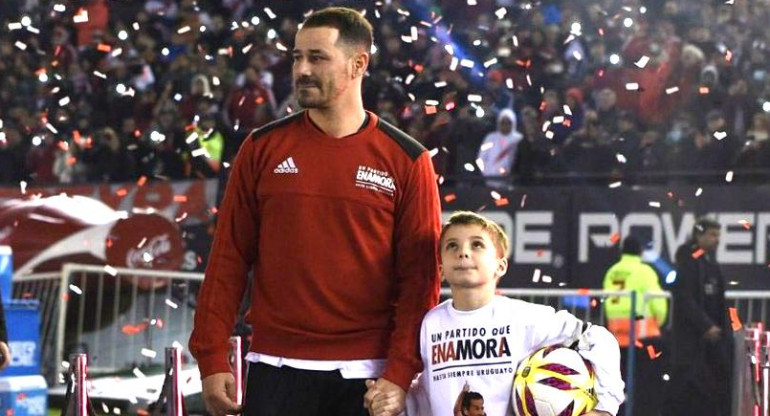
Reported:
(554, 91)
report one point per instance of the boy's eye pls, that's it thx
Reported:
(478, 244)
(450, 246)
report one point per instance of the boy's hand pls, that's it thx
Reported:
(219, 394)
(384, 398)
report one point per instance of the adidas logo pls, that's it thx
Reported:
(287, 166)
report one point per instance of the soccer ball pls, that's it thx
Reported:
(554, 381)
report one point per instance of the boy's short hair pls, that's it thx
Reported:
(495, 232)
(353, 27)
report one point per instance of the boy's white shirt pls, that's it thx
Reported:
(525, 328)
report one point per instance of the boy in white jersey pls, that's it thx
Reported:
(475, 340)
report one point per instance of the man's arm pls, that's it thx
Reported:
(417, 229)
(232, 254)
(658, 306)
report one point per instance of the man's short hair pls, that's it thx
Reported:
(496, 233)
(704, 224)
(631, 245)
(353, 27)
(469, 397)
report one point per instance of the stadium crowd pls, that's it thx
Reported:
(631, 90)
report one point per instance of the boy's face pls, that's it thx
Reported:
(469, 257)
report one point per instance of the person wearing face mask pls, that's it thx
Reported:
(701, 336)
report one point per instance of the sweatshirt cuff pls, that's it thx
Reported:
(400, 375)
(213, 363)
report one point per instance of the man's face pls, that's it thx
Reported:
(323, 70)
(709, 240)
(475, 409)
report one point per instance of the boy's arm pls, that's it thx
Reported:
(417, 228)
(595, 344)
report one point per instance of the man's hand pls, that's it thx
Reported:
(6, 355)
(384, 398)
(597, 413)
(219, 394)
(713, 334)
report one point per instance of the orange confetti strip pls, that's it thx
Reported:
(697, 253)
(703, 90)
(745, 224)
(103, 47)
(638, 344)
(129, 329)
(142, 412)
(501, 202)
(583, 291)
(735, 320)
(180, 198)
(430, 109)
(450, 197)
(614, 238)
(142, 180)
(652, 353)
(418, 68)
(121, 192)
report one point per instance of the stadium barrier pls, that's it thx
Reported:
(140, 311)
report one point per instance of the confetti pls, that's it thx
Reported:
(450, 197)
(735, 320)
(614, 238)
(615, 184)
(536, 276)
(745, 224)
(171, 304)
(138, 373)
(652, 353)
(699, 192)
(21, 45)
(501, 202)
(654, 204)
(719, 135)
(697, 253)
(81, 16)
(729, 176)
(76, 289)
(110, 270)
(642, 62)
(523, 201)
(149, 353)
(632, 86)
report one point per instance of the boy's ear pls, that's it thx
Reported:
(502, 267)
(441, 272)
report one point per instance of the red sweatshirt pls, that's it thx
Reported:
(342, 235)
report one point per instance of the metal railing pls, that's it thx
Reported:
(122, 316)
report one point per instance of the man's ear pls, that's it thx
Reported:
(360, 62)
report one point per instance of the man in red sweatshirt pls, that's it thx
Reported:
(336, 213)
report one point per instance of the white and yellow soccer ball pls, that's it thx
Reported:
(554, 381)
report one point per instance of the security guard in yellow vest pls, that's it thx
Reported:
(630, 273)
